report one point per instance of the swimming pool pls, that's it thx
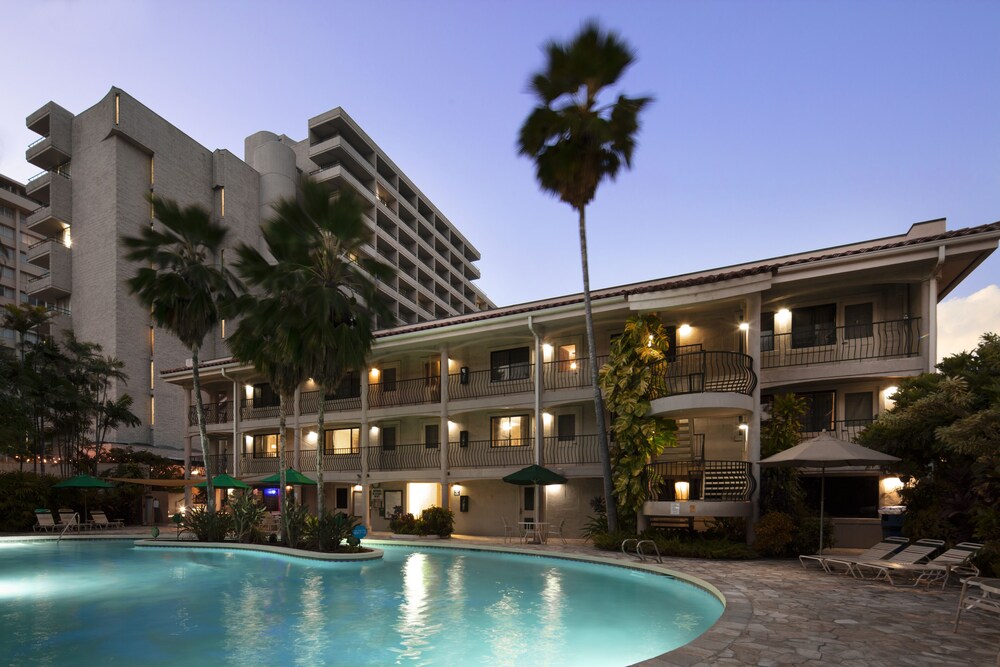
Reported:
(109, 603)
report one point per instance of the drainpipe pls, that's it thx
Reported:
(932, 299)
(237, 413)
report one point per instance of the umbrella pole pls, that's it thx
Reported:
(822, 494)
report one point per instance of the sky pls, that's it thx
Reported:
(777, 127)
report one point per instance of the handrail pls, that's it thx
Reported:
(825, 344)
(642, 555)
(624, 542)
(709, 479)
(37, 141)
(704, 371)
(76, 522)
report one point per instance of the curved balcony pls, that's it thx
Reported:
(715, 488)
(703, 383)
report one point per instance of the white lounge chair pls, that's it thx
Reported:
(45, 522)
(958, 559)
(100, 521)
(919, 552)
(883, 549)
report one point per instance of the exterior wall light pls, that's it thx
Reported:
(357, 487)
(744, 326)
(684, 330)
(783, 316)
(312, 437)
(682, 491)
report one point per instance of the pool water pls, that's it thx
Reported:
(109, 603)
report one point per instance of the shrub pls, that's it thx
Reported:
(696, 546)
(807, 535)
(775, 534)
(294, 519)
(248, 515)
(403, 524)
(207, 527)
(21, 493)
(988, 560)
(436, 521)
(326, 532)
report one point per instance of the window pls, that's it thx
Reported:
(858, 321)
(265, 446)
(342, 441)
(5, 231)
(566, 356)
(819, 412)
(432, 437)
(349, 387)
(264, 396)
(432, 372)
(767, 332)
(814, 326)
(388, 438)
(510, 364)
(858, 409)
(566, 428)
(7, 212)
(341, 498)
(388, 379)
(509, 431)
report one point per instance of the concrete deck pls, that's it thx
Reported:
(778, 613)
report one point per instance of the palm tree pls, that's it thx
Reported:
(576, 143)
(184, 286)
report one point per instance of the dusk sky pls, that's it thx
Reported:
(778, 126)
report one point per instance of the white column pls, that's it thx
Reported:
(752, 317)
(929, 292)
(444, 434)
(364, 445)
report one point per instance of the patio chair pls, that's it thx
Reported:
(509, 529)
(988, 600)
(100, 521)
(45, 522)
(918, 552)
(883, 549)
(958, 559)
(558, 530)
(70, 518)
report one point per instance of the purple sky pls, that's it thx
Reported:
(778, 126)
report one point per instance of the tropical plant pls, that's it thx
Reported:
(637, 363)
(295, 519)
(207, 525)
(248, 515)
(436, 521)
(403, 524)
(327, 531)
(185, 287)
(319, 264)
(576, 142)
(775, 533)
(780, 488)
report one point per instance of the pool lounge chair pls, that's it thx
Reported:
(100, 521)
(919, 552)
(45, 522)
(958, 559)
(71, 519)
(883, 549)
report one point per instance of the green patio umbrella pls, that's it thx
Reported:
(534, 475)
(292, 477)
(83, 482)
(224, 481)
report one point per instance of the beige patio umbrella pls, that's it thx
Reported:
(827, 451)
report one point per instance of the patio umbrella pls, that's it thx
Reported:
(83, 482)
(534, 474)
(224, 481)
(292, 477)
(826, 451)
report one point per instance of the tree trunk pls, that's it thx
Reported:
(282, 477)
(202, 431)
(602, 429)
(320, 446)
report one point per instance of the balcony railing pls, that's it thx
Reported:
(845, 429)
(309, 403)
(501, 381)
(710, 480)
(826, 344)
(404, 457)
(569, 374)
(490, 454)
(580, 449)
(404, 392)
(262, 410)
(698, 372)
(215, 413)
(252, 465)
(221, 463)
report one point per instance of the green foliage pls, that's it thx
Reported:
(635, 370)
(988, 560)
(327, 532)
(697, 546)
(404, 524)
(807, 535)
(21, 493)
(436, 521)
(775, 534)
(945, 427)
(207, 526)
(248, 514)
(729, 528)
(781, 489)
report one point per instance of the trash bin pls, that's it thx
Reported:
(892, 520)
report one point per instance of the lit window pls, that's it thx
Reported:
(343, 441)
(152, 411)
(509, 431)
(567, 358)
(265, 446)
(117, 107)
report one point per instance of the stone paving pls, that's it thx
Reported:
(778, 613)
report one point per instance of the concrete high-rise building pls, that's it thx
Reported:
(103, 164)
(17, 245)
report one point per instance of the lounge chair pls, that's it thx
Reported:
(69, 518)
(919, 552)
(45, 522)
(883, 549)
(100, 521)
(958, 559)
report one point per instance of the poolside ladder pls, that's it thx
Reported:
(76, 522)
(639, 553)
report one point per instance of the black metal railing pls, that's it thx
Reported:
(215, 413)
(220, 463)
(404, 392)
(258, 410)
(491, 454)
(845, 429)
(698, 372)
(730, 481)
(569, 374)
(827, 344)
(579, 449)
(309, 403)
(501, 381)
(346, 462)
(262, 463)
(403, 457)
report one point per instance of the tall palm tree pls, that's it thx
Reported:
(576, 142)
(184, 286)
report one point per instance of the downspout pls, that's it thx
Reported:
(237, 445)
(932, 299)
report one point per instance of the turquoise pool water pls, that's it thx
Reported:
(109, 603)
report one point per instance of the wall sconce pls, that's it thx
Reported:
(374, 373)
(456, 490)
(887, 394)
(783, 316)
(682, 491)
(744, 326)
(357, 487)
(248, 391)
(684, 330)
(742, 429)
(312, 437)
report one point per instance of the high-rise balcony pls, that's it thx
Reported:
(337, 176)
(49, 186)
(50, 286)
(55, 146)
(53, 255)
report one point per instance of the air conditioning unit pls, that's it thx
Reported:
(188, 363)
